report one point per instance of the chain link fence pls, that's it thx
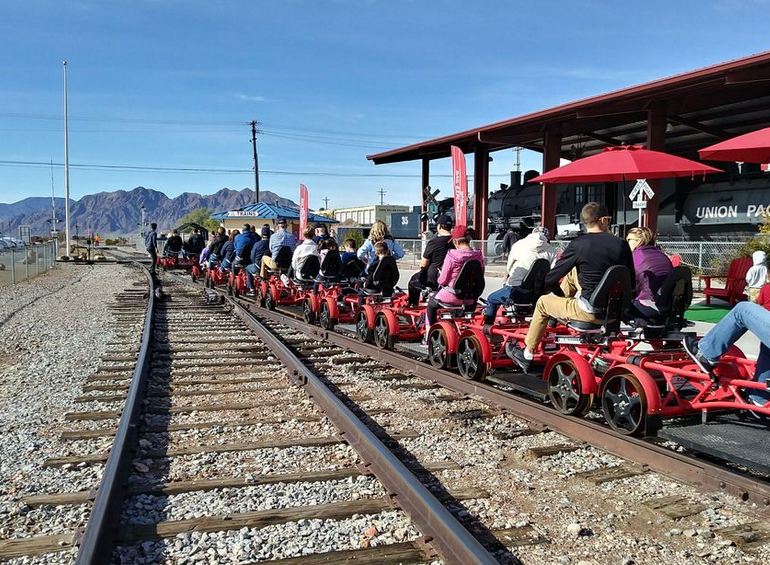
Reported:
(23, 263)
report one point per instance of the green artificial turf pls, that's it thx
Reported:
(703, 313)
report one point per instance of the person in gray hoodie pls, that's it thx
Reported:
(756, 275)
(523, 254)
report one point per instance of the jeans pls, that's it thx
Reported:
(498, 298)
(154, 256)
(745, 316)
(251, 271)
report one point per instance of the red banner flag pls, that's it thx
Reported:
(459, 186)
(302, 208)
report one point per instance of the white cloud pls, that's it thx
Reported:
(250, 98)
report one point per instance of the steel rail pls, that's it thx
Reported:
(96, 544)
(654, 457)
(441, 529)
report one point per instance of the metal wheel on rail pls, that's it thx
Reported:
(259, 297)
(325, 318)
(363, 333)
(624, 404)
(382, 336)
(438, 349)
(565, 390)
(470, 361)
(307, 311)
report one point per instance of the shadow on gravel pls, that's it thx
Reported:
(458, 509)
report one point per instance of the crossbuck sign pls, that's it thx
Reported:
(637, 195)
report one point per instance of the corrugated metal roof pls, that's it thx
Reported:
(265, 211)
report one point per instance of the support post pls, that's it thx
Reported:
(480, 188)
(424, 191)
(656, 140)
(548, 195)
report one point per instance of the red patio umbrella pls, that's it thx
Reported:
(753, 147)
(622, 163)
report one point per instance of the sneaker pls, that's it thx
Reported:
(516, 353)
(690, 343)
(285, 280)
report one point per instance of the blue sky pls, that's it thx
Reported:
(172, 83)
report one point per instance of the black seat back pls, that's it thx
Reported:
(283, 257)
(534, 283)
(674, 297)
(310, 268)
(470, 281)
(353, 269)
(612, 296)
(331, 264)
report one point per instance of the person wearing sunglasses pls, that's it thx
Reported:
(581, 266)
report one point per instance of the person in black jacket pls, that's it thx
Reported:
(195, 243)
(216, 245)
(432, 259)
(383, 273)
(173, 244)
(581, 266)
(260, 249)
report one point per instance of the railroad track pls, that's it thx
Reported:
(200, 434)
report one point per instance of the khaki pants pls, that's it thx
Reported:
(551, 306)
(267, 263)
(752, 293)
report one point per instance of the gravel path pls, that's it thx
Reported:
(55, 342)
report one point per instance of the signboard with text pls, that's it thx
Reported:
(459, 186)
(303, 205)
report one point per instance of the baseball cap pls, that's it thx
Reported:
(458, 232)
(265, 231)
(445, 220)
(281, 222)
(542, 231)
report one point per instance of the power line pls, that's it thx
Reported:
(213, 170)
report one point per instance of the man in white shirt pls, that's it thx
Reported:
(304, 250)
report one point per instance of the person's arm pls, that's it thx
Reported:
(396, 250)
(364, 250)
(564, 265)
(513, 256)
(445, 276)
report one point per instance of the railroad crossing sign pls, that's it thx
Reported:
(637, 195)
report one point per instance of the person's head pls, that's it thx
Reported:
(379, 231)
(381, 249)
(174, 232)
(221, 231)
(153, 226)
(195, 231)
(445, 223)
(308, 233)
(246, 228)
(265, 233)
(541, 232)
(233, 234)
(349, 244)
(639, 237)
(281, 224)
(459, 237)
(266, 226)
(470, 233)
(254, 228)
(594, 217)
(328, 244)
(322, 231)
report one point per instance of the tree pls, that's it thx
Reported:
(200, 216)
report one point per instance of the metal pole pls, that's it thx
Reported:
(256, 161)
(26, 261)
(13, 265)
(66, 170)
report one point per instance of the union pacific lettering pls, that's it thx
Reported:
(752, 211)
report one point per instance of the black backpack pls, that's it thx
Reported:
(331, 264)
(470, 282)
(310, 268)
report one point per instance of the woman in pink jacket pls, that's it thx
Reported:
(450, 270)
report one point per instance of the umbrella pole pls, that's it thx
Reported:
(623, 198)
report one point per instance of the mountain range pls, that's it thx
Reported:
(118, 212)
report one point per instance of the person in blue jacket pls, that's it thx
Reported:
(379, 232)
(260, 249)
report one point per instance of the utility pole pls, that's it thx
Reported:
(54, 232)
(256, 162)
(326, 202)
(66, 171)
(381, 192)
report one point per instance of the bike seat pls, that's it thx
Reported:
(585, 327)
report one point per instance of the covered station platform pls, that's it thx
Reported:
(679, 115)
